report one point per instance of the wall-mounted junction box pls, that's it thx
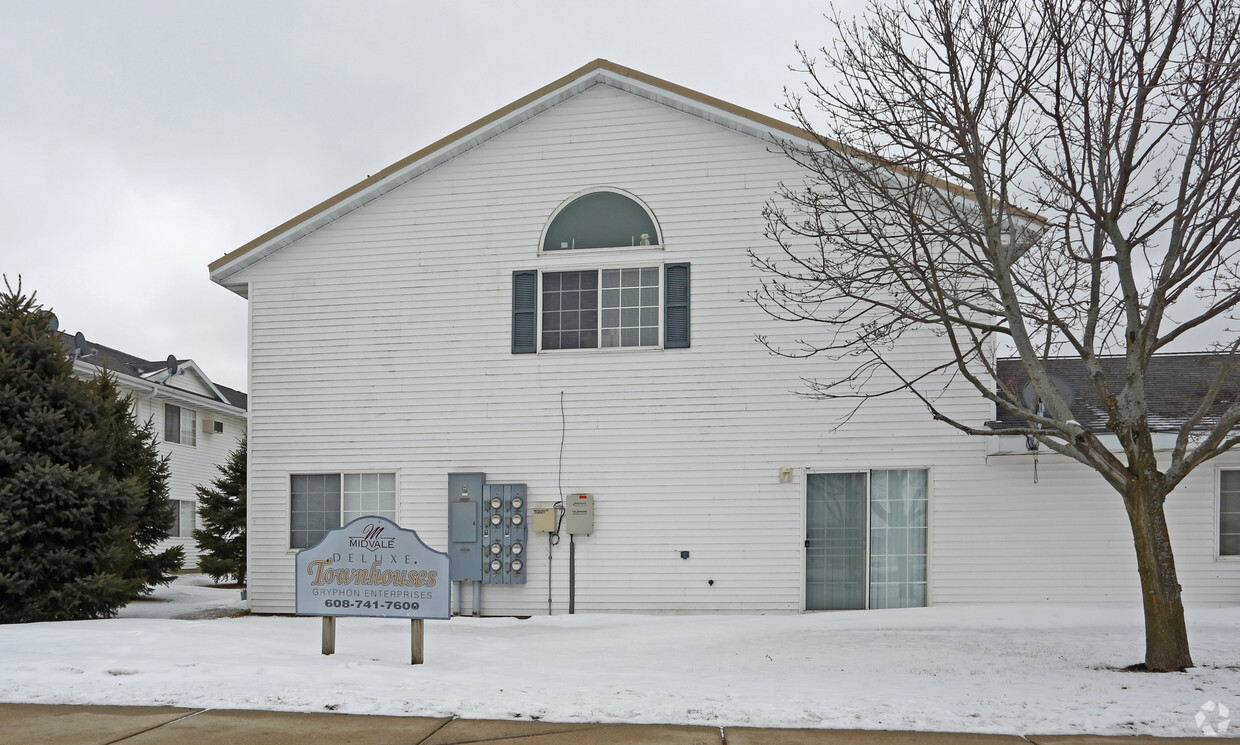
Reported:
(579, 514)
(544, 519)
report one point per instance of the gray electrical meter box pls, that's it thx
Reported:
(579, 514)
(465, 526)
(504, 532)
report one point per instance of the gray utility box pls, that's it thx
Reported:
(579, 514)
(465, 497)
(504, 531)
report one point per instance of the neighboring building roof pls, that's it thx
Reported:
(1175, 385)
(123, 363)
(600, 71)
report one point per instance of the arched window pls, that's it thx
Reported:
(601, 219)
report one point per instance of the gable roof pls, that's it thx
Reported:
(1175, 386)
(600, 71)
(149, 371)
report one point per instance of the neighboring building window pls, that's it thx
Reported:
(325, 501)
(184, 525)
(599, 308)
(180, 425)
(602, 219)
(1229, 513)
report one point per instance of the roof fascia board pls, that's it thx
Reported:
(718, 111)
(404, 171)
(600, 71)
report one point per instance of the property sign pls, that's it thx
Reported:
(372, 567)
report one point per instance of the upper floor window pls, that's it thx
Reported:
(599, 308)
(180, 425)
(601, 219)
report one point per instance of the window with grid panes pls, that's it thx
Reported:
(601, 308)
(325, 501)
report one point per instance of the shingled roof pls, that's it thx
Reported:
(1175, 386)
(124, 363)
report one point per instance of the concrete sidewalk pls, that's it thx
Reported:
(35, 724)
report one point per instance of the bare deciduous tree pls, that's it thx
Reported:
(1058, 178)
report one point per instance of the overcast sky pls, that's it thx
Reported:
(140, 141)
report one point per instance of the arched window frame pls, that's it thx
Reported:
(656, 245)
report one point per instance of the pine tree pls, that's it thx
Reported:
(221, 509)
(64, 521)
(78, 480)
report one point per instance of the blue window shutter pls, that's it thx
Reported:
(524, 312)
(676, 306)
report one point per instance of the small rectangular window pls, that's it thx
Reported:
(325, 501)
(1229, 513)
(183, 527)
(180, 425)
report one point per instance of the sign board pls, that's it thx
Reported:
(372, 567)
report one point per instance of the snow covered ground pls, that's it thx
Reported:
(1015, 669)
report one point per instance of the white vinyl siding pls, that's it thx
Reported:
(189, 467)
(405, 308)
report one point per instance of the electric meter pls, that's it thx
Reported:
(504, 532)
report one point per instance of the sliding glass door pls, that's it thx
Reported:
(865, 539)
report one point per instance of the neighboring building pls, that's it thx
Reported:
(558, 296)
(198, 421)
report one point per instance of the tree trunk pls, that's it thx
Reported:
(1166, 638)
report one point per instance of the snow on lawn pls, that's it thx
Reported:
(1016, 669)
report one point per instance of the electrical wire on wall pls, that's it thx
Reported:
(553, 538)
(559, 475)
